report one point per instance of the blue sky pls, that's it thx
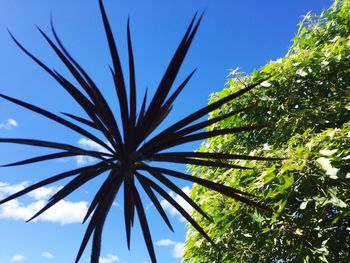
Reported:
(245, 34)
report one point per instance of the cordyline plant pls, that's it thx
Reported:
(129, 150)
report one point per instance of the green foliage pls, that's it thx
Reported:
(308, 97)
(309, 87)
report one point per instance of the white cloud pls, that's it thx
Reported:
(44, 193)
(18, 257)
(47, 255)
(63, 212)
(108, 259)
(90, 145)
(165, 243)
(9, 124)
(81, 159)
(66, 212)
(178, 250)
(167, 206)
(7, 189)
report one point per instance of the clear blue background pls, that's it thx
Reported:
(245, 34)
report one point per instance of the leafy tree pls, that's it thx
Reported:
(308, 97)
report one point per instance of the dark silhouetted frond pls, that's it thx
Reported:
(128, 148)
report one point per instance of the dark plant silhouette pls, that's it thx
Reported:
(129, 146)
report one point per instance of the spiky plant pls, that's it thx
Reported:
(129, 150)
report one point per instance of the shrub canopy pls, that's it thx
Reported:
(308, 97)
